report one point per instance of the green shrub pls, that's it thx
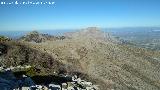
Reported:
(31, 71)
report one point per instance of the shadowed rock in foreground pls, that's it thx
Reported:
(10, 81)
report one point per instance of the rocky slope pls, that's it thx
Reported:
(95, 56)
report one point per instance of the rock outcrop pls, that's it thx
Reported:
(38, 37)
(9, 82)
(4, 39)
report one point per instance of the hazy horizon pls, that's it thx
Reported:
(125, 31)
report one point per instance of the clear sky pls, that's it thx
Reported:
(68, 14)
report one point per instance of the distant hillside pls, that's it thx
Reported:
(95, 55)
(144, 37)
(38, 37)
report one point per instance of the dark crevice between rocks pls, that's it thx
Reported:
(3, 48)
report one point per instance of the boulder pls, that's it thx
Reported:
(64, 86)
(54, 87)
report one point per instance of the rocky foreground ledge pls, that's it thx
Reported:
(10, 81)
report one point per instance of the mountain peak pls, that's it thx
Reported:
(90, 32)
(33, 33)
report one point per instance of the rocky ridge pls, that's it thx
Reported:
(92, 55)
(37, 37)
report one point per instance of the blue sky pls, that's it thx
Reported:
(70, 14)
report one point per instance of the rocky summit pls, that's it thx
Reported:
(94, 56)
(37, 37)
